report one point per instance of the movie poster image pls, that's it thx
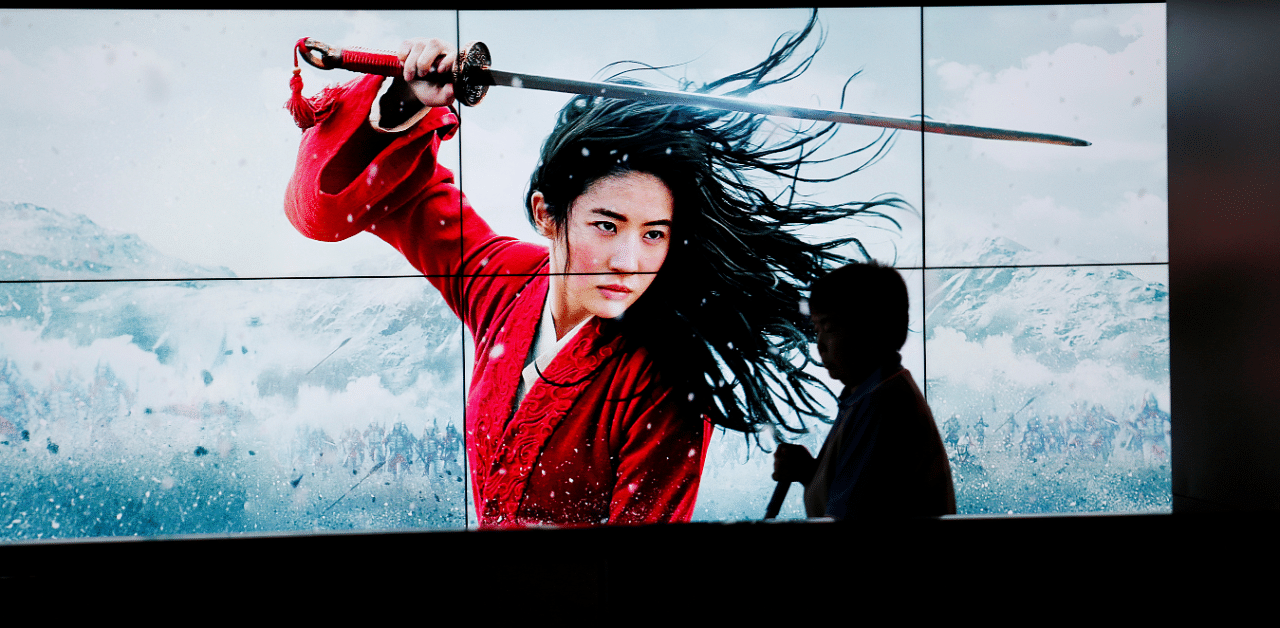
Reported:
(175, 357)
(1047, 325)
(500, 148)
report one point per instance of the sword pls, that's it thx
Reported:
(472, 76)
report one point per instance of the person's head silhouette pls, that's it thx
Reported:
(860, 312)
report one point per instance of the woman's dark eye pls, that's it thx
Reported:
(656, 235)
(607, 227)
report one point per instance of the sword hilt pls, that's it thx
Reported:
(468, 76)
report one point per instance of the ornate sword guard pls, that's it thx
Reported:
(469, 86)
(468, 77)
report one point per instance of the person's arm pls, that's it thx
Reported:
(793, 463)
(408, 95)
(353, 176)
(364, 160)
(349, 177)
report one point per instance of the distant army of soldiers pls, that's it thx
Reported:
(437, 451)
(1084, 433)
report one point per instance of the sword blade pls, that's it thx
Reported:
(326, 57)
(671, 97)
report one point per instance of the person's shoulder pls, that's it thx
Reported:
(630, 357)
(633, 365)
(897, 386)
(899, 395)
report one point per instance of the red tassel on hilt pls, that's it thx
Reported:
(307, 112)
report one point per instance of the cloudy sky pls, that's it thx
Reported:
(169, 124)
(1093, 72)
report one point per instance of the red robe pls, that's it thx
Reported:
(605, 444)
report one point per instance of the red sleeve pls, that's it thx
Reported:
(659, 464)
(351, 178)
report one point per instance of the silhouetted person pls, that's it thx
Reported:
(884, 456)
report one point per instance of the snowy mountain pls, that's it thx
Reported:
(41, 243)
(1047, 383)
(1062, 315)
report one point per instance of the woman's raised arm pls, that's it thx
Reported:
(351, 177)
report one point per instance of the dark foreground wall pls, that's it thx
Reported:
(956, 565)
(1224, 277)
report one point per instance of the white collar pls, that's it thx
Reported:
(545, 348)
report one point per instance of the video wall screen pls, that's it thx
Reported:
(177, 358)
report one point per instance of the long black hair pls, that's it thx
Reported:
(722, 320)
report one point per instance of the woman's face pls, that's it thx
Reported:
(614, 242)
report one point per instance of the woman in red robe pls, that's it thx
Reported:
(666, 303)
